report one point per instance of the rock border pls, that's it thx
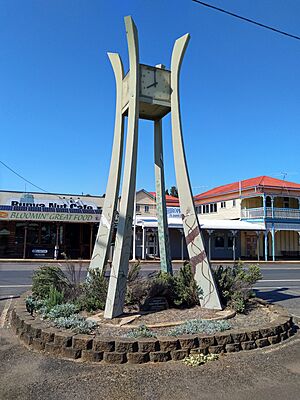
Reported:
(91, 348)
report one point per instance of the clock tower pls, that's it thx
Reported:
(147, 92)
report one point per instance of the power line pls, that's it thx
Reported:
(251, 21)
(22, 177)
(31, 183)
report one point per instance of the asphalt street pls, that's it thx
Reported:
(272, 373)
(280, 283)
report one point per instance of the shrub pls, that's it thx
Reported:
(77, 323)
(133, 272)
(194, 360)
(181, 290)
(187, 292)
(235, 284)
(137, 287)
(54, 298)
(33, 304)
(200, 326)
(93, 292)
(45, 279)
(140, 332)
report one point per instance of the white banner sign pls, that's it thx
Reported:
(173, 212)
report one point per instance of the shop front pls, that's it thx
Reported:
(34, 226)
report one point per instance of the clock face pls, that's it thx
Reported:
(155, 83)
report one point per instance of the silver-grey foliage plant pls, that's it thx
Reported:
(77, 323)
(200, 326)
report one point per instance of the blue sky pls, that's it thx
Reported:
(240, 90)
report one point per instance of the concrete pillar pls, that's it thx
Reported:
(120, 263)
(161, 209)
(193, 234)
(103, 240)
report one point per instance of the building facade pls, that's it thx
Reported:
(35, 225)
(274, 204)
(254, 219)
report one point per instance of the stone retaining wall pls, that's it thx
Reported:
(63, 343)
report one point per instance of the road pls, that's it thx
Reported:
(272, 373)
(280, 283)
(263, 374)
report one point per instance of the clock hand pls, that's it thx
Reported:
(153, 84)
(155, 81)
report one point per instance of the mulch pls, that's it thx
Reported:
(255, 315)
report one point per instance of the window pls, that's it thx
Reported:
(233, 203)
(223, 204)
(219, 241)
(230, 242)
(213, 207)
(268, 201)
(286, 202)
(146, 209)
(137, 208)
(206, 208)
(48, 233)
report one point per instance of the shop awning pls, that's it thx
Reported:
(214, 224)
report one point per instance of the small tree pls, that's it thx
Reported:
(174, 191)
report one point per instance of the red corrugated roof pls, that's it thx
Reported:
(260, 181)
(169, 199)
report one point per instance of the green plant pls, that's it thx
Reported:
(77, 323)
(54, 298)
(187, 292)
(62, 310)
(194, 360)
(93, 292)
(181, 290)
(33, 304)
(46, 278)
(235, 284)
(137, 287)
(140, 332)
(133, 272)
(200, 326)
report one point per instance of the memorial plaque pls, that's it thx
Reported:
(156, 304)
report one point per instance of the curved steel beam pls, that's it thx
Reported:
(193, 235)
(119, 269)
(103, 239)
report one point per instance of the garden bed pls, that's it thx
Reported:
(262, 326)
(162, 322)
